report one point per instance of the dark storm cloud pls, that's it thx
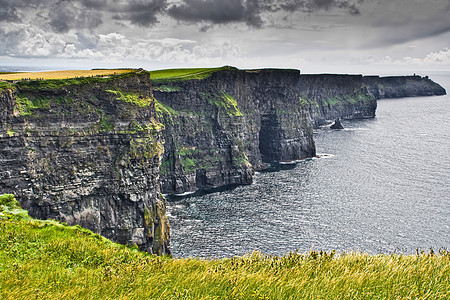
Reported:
(403, 21)
(64, 16)
(141, 12)
(9, 14)
(10, 10)
(249, 11)
(215, 11)
(311, 6)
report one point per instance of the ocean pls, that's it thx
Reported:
(381, 185)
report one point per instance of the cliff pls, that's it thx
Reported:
(402, 86)
(331, 96)
(223, 124)
(221, 128)
(98, 152)
(87, 151)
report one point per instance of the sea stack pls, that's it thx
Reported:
(337, 124)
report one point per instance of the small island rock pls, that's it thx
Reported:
(337, 124)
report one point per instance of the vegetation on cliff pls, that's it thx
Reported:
(225, 103)
(50, 260)
(87, 151)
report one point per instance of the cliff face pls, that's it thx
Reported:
(402, 86)
(336, 96)
(222, 128)
(87, 152)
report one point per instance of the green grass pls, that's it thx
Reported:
(134, 98)
(55, 84)
(348, 99)
(184, 74)
(225, 103)
(49, 260)
(167, 88)
(165, 110)
(5, 85)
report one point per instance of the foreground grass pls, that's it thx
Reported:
(47, 260)
(63, 74)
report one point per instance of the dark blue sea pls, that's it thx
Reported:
(382, 185)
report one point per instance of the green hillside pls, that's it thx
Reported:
(50, 260)
(184, 74)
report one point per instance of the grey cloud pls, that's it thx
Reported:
(407, 33)
(9, 14)
(10, 10)
(61, 16)
(311, 6)
(253, 11)
(215, 11)
(64, 16)
(408, 21)
(97, 4)
(250, 11)
(140, 12)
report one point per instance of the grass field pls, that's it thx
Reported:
(49, 260)
(63, 74)
(169, 74)
(184, 74)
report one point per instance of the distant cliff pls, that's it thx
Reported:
(87, 151)
(331, 96)
(222, 126)
(402, 86)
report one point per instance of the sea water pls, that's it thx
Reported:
(380, 185)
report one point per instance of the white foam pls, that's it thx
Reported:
(356, 129)
(323, 155)
(291, 162)
(184, 194)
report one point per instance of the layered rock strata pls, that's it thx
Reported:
(87, 152)
(402, 86)
(220, 129)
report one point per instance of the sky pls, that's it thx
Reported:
(315, 36)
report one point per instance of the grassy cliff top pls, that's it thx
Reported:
(63, 74)
(50, 260)
(185, 74)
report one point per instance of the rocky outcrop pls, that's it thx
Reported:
(87, 152)
(402, 86)
(337, 124)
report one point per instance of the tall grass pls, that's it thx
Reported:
(48, 260)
